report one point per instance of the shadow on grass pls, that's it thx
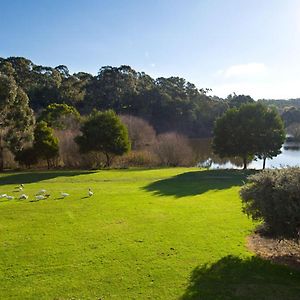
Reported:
(198, 182)
(235, 278)
(31, 177)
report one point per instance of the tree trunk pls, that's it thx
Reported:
(1, 160)
(108, 160)
(264, 163)
(245, 163)
(1, 154)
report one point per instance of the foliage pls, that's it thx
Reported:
(141, 133)
(16, 118)
(281, 104)
(238, 100)
(168, 104)
(104, 132)
(173, 150)
(27, 157)
(294, 130)
(270, 135)
(274, 197)
(291, 115)
(60, 116)
(253, 129)
(45, 144)
(138, 158)
(69, 154)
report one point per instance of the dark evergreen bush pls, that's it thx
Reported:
(273, 196)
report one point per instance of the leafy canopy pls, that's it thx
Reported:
(252, 130)
(45, 143)
(16, 118)
(104, 132)
(60, 116)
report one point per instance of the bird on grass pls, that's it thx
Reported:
(64, 195)
(10, 197)
(19, 188)
(3, 196)
(23, 196)
(40, 197)
(90, 192)
(41, 192)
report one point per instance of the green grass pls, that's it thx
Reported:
(145, 234)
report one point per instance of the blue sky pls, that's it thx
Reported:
(250, 47)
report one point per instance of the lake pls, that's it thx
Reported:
(290, 156)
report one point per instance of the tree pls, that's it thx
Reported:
(45, 143)
(60, 116)
(271, 134)
(16, 117)
(251, 130)
(104, 132)
(168, 104)
(27, 157)
(291, 115)
(238, 100)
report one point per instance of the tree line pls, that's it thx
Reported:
(168, 104)
(36, 100)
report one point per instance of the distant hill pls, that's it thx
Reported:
(282, 103)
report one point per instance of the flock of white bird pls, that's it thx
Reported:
(40, 195)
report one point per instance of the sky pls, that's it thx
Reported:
(246, 47)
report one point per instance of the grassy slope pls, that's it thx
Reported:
(145, 234)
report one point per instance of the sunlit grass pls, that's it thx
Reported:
(143, 235)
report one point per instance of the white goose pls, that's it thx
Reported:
(41, 192)
(64, 195)
(23, 196)
(90, 192)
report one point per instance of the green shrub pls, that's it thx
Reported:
(273, 196)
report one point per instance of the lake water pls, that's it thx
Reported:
(290, 156)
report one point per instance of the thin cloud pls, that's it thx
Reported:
(244, 70)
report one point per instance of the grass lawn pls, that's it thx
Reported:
(145, 234)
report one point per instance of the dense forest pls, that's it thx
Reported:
(162, 115)
(282, 103)
(168, 104)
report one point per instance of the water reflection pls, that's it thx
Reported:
(205, 157)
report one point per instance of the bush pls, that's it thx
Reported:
(138, 159)
(174, 150)
(273, 196)
(68, 150)
(141, 133)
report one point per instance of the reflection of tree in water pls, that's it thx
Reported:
(204, 154)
